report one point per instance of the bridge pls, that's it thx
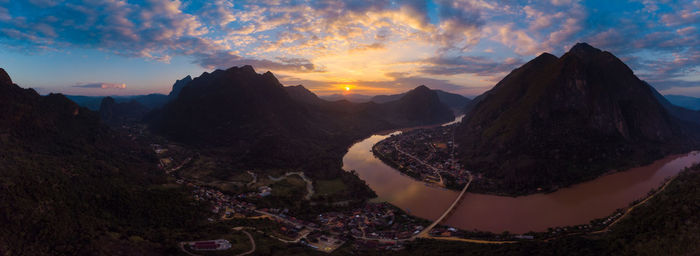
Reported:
(445, 214)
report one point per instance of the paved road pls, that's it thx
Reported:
(252, 242)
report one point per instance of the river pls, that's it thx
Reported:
(578, 204)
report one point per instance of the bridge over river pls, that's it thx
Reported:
(447, 213)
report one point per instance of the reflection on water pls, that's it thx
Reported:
(568, 206)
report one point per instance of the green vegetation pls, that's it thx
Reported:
(329, 188)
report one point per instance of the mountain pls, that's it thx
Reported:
(691, 103)
(247, 117)
(681, 113)
(177, 87)
(454, 101)
(252, 121)
(351, 97)
(150, 101)
(116, 114)
(420, 106)
(556, 121)
(300, 93)
(71, 186)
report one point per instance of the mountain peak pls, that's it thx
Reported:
(243, 69)
(546, 56)
(421, 89)
(177, 87)
(584, 49)
(552, 113)
(5, 78)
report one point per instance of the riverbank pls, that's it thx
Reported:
(572, 206)
(428, 155)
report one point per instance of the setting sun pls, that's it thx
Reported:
(347, 88)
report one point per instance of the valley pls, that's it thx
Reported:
(233, 162)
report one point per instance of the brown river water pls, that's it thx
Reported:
(578, 204)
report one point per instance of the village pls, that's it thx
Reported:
(373, 225)
(376, 225)
(425, 154)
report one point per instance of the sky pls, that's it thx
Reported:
(129, 47)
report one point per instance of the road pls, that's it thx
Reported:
(255, 179)
(475, 241)
(435, 170)
(252, 242)
(182, 247)
(627, 212)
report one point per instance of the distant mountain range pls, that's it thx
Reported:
(454, 101)
(692, 103)
(150, 101)
(352, 97)
(558, 121)
(258, 123)
(117, 113)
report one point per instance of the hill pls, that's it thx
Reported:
(115, 114)
(686, 115)
(454, 101)
(257, 123)
(557, 121)
(177, 87)
(72, 186)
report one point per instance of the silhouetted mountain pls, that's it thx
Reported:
(5, 78)
(150, 101)
(351, 97)
(66, 180)
(300, 93)
(684, 114)
(115, 114)
(420, 106)
(557, 121)
(688, 102)
(454, 101)
(258, 123)
(177, 87)
(247, 115)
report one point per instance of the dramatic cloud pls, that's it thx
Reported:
(463, 45)
(467, 64)
(224, 59)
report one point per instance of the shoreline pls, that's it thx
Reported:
(394, 165)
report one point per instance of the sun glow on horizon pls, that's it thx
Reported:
(347, 88)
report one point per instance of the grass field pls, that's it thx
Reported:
(329, 187)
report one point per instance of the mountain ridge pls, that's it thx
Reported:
(262, 117)
(555, 121)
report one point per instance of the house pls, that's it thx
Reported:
(264, 191)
